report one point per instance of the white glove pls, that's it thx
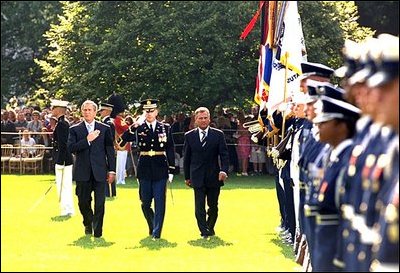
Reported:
(170, 177)
(141, 119)
(274, 152)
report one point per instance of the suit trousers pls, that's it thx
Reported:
(206, 225)
(84, 192)
(149, 189)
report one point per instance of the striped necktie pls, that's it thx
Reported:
(203, 139)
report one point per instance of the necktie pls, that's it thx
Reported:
(203, 139)
(151, 127)
(89, 128)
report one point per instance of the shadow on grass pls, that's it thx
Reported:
(90, 242)
(286, 250)
(154, 245)
(60, 218)
(211, 242)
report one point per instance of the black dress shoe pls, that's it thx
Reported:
(88, 230)
(97, 235)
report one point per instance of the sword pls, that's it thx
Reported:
(62, 183)
(109, 188)
(40, 199)
(170, 190)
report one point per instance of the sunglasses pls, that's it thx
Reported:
(150, 110)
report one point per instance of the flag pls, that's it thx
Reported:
(266, 55)
(286, 59)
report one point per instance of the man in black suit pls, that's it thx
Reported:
(92, 144)
(62, 158)
(203, 149)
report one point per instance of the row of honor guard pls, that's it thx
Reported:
(338, 188)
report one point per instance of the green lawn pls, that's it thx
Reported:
(34, 238)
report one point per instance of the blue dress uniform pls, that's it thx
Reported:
(327, 218)
(386, 242)
(156, 161)
(362, 129)
(352, 198)
(327, 197)
(371, 185)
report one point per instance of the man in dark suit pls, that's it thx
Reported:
(92, 144)
(105, 111)
(62, 158)
(156, 163)
(203, 148)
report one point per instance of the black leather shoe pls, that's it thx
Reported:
(97, 235)
(88, 230)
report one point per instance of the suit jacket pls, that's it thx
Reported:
(98, 157)
(201, 164)
(153, 167)
(62, 155)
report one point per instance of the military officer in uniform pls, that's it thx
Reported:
(62, 158)
(105, 111)
(336, 126)
(156, 164)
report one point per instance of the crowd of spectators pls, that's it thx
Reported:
(245, 157)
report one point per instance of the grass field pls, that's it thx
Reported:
(35, 238)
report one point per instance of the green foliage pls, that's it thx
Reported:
(22, 26)
(326, 24)
(383, 16)
(186, 53)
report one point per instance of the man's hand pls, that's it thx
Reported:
(188, 183)
(93, 135)
(222, 176)
(170, 177)
(110, 178)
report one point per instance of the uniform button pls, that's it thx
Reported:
(345, 233)
(378, 205)
(363, 207)
(151, 145)
(361, 256)
(350, 247)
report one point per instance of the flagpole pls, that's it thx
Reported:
(285, 94)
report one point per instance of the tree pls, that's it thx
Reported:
(22, 26)
(187, 54)
(383, 16)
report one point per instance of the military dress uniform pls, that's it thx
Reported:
(63, 162)
(156, 162)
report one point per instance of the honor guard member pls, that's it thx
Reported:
(62, 158)
(336, 126)
(156, 164)
(120, 126)
(314, 75)
(382, 198)
(105, 111)
(367, 147)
